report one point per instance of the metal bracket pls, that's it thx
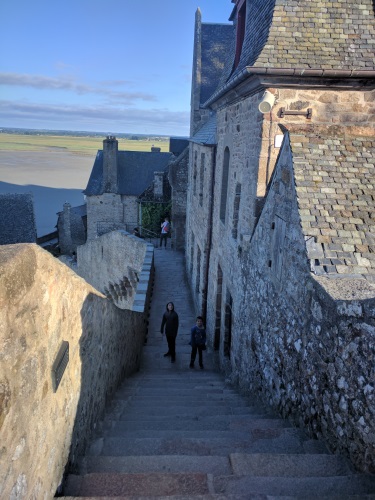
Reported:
(61, 362)
(307, 114)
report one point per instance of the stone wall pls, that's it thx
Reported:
(42, 304)
(198, 223)
(110, 211)
(178, 179)
(114, 264)
(253, 312)
(306, 343)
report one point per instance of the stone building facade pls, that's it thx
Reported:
(117, 180)
(280, 221)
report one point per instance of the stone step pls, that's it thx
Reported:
(183, 377)
(306, 488)
(192, 392)
(241, 423)
(215, 496)
(192, 484)
(134, 412)
(140, 401)
(188, 497)
(217, 465)
(176, 434)
(240, 464)
(274, 441)
(279, 465)
(174, 389)
(118, 484)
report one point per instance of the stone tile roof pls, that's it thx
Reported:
(135, 171)
(17, 221)
(215, 41)
(178, 144)
(207, 133)
(335, 184)
(311, 34)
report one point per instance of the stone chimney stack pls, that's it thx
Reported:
(110, 149)
(158, 184)
(65, 232)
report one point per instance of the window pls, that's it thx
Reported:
(201, 186)
(192, 254)
(224, 185)
(198, 281)
(228, 325)
(195, 173)
(236, 211)
(240, 33)
(218, 308)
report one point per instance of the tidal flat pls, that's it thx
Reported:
(53, 177)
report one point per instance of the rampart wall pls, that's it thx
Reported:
(307, 342)
(117, 264)
(42, 304)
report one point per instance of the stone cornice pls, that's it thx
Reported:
(253, 79)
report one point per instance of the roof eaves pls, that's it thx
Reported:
(252, 71)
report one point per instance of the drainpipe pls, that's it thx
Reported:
(209, 235)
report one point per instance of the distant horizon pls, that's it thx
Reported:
(87, 132)
(85, 66)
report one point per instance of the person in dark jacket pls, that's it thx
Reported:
(170, 322)
(198, 342)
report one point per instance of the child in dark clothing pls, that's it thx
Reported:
(198, 342)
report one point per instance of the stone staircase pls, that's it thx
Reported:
(177, 433)
(187, 435)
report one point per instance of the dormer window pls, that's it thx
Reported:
(240, 32)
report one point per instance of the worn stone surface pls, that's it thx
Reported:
(279, 249)
(178, 179)
(117, 264)
(42, 303)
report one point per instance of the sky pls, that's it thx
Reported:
(118, 66)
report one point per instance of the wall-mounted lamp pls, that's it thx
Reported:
(268, 100)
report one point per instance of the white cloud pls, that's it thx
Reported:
(95, 118)
(69, 84)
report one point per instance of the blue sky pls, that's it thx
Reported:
(115, 66)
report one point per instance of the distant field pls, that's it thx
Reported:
(77, 145)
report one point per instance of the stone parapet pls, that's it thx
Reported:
(114, 263)
(44, 305)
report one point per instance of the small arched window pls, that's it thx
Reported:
(224, 184)
(236, 211)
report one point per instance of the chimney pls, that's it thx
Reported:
(110, 149)
(158, 184)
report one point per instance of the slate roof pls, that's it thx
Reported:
(135, 171)
(178, 144)
(207, 133)
(215, 40)
(304, 34)
(17, 221)
(310, 33)
(335, 181)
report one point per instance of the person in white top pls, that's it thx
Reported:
(165, 226)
